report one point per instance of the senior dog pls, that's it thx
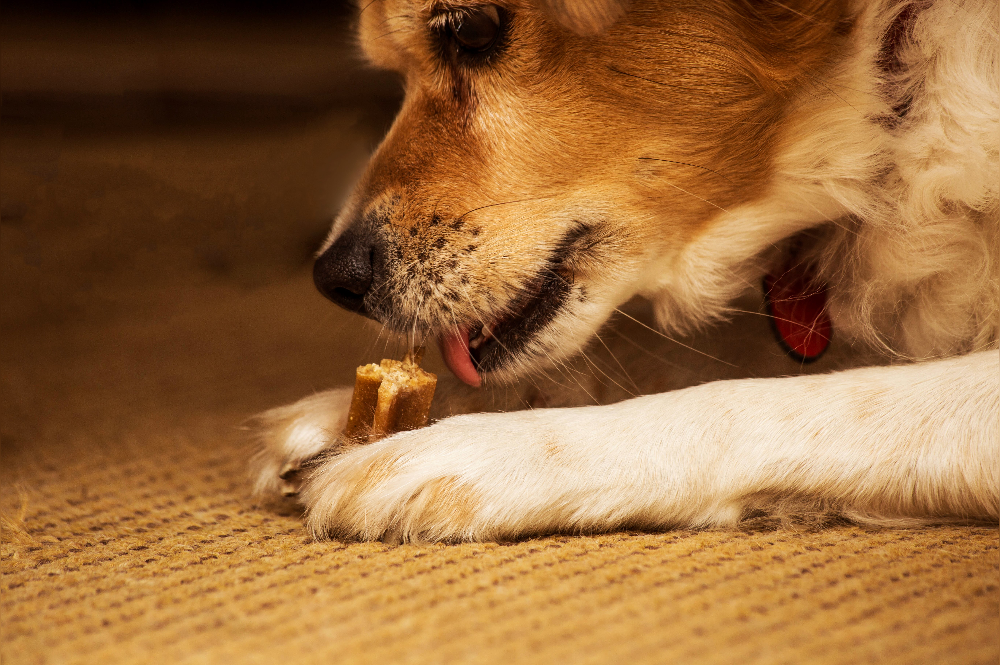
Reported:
(554, 159)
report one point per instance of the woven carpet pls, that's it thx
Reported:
(131, 354)
(132, 540)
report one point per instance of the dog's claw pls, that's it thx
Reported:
(289, 480)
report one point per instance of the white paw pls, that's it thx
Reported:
(475, 477)
(290, 435)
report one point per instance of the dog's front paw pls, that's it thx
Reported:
(288, 436)
(476, 477)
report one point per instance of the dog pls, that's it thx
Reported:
(555, 159)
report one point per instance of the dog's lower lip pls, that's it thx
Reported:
(479, 336)
(485, 340)
(464, 349)
(495, 344)
(488, 338)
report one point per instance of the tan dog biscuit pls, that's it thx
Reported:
(391, 397)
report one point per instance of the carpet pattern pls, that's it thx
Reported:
(122, 554)
(164, 560)
(142, 573)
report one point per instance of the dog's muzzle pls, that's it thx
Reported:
(356, 271)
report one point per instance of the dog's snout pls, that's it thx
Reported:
(344, 273)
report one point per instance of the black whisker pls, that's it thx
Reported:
(694, 166)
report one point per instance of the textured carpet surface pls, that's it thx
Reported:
(162, 559)
(156, 294)
(130, 537)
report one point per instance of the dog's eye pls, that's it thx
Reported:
(476, 29)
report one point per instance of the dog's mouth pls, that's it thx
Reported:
(473, 351)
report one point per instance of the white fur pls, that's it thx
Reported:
(304, 429)
(910, 214)
(872, 444)
(906, 220)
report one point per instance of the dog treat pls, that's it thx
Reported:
(390, 397)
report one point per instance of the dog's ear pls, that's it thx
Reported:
(586, 17)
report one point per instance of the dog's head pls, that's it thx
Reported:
(553, 157)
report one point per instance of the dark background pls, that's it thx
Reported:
(151, 137)
(167, 170)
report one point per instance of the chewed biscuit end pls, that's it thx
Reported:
(389, 397)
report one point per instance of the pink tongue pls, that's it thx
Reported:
(455, 351)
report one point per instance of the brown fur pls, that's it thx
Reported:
(477, 155)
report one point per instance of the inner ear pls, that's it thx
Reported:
(586, 17)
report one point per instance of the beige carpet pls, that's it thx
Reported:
(156, 294)
(134, 542)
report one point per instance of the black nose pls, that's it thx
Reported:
(343, 273)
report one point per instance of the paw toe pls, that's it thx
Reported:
(288, 436)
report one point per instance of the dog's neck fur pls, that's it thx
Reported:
(904, 244)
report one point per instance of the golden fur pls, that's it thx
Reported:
(678, 151)
(676, 115)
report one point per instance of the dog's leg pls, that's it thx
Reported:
(288, 437)
(915, 442)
